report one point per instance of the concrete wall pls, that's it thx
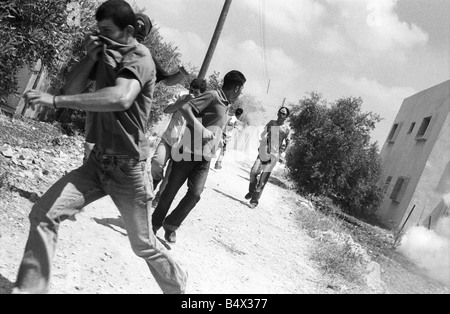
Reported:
(435, 181)
(416, 158)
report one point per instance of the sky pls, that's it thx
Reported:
(380, 50)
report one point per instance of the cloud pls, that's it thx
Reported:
(289, 16)
(377, 98)
(173, 7)
(193, 46)
(281, 68)
(386, 100)
(371, 27)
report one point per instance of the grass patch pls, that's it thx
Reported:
(337, 253)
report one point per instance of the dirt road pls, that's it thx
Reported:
(226, 247)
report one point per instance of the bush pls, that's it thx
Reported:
(331, 154)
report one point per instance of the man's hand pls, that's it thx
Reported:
(188, 98)
(208, 135)
(183, 71)
(34, 97)
(94, 46)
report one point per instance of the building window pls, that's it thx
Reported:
(388, 182)
(411, 129)
(394, 133)
(399, 189)
(423, 128)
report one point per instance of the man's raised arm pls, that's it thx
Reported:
(78, 78)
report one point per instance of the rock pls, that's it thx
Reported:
(7, 151)
(373, 278)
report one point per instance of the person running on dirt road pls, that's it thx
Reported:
(206, 117)
(125, 78)
(171, 137)
(274, 142)
(227, 134)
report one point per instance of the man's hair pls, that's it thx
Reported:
(233, 79)
(239, 111)
(143, 32)
(287, 110)
(199, 84)
(119, 11)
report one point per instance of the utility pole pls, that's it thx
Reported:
(215, 39)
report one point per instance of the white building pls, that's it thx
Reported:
(416, 160)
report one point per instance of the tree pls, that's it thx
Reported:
(331, 154)
(32, 30)
(54, 32)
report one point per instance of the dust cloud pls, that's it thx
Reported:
(430, 249)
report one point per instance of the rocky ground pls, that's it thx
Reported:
(227, 247)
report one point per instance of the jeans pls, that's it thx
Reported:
(259, 176)
(196, 173)
(126, 181)
(159, 161)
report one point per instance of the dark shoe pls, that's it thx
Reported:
(248, 196)
(218, 166)
(170, 236)
(252, 205)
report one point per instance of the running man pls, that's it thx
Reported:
(125, 78)
(206, 117)
(274, 142)
(171, 137)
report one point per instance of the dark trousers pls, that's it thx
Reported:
(195, 173)
(259, 176)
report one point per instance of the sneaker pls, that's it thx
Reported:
(218, 166)
(170, 236)
(253, 205)
(248, 196)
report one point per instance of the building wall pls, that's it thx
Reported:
(435, 181)
(417, 158)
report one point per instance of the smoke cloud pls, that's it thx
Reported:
(430, 249)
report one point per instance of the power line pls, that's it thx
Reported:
(262, 30)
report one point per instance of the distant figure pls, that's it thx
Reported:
(171, 137)
(206, 117)
(232, 123)
(274, 142)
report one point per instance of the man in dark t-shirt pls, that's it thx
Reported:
(125, 78)
(143, 29)
(206, 117)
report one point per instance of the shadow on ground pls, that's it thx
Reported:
(116, 223)
(231, 197)
(113, 223)
(278, 182)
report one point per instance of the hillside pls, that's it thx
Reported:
(227, 247)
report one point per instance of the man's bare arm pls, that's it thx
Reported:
(78, 78)
(110, 99)
(188, 114)
(178, 104)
